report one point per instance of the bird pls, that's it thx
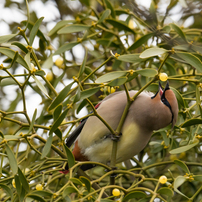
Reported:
(148, 112)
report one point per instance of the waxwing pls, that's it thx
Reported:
(147, 113)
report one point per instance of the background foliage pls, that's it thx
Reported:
(94, 48)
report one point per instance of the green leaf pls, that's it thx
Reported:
(104, 15)
(150, 52)
(76, 181)
(134, 194)
(34, 30)
(41, 86)
(110, 76)
(109, 5)
(70, 157)
(40, 73)
(41, 193)
(184, 148)
(61, 96)
(119, 81)
(73, 28)
(165, 191)
(178, 96)
(12, 160)
(47, 146)
(182, 165)
(36, 197)
(33, 121)
(48, 64)
(57, 112)
(191, 59)
(2, 135)
(147, 72)
(20, 45)
(198, 178)
(57, 122)
(140, 41)
(59, 25)
(58, 133)
(18, 186)
(191, 122)
(120, 25)
(183, 3)
(82, 68)
(23, 180)
(179, 32)
(68, 190)
(89, 92)
(177, 183)
(132, 58)
(11, 53)
(86, 182)
(6, 38)
(7, 189)
(65, 47)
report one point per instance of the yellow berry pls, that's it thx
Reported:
(39, 187)
(163, 76)
(163, 179)
(116, 192)
(131, 24)
(59, 62)
(49, 76)
(13, 183)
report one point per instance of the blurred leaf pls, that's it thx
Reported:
(2, 135)
(179, 32)
(147, 72)
(40, 73)
(73, 28)
(41, 86)
(36, 197)
(58, 133)
(34, 30)
(86, 182)
(69, 190)
(76, 181)
(47, 146)
(21, 46)
(59, 25)
(191, 122)
(6, 38)
(110, 76)
(165, 191)
(198, 178)
(48, 64)
(23, 180)
(191, 59)
(119, 81)
(177, 183)
(70, 157)
(42, 193)
(132, 58)
(81, 106)
(57, 112)
(12, 160)
(109, 5)
(184, 148)
(18, 186)
(183, 3)
(104, 15)
(33, 121)
(89, 92)
(11, 53)
(61, 96)
(82, 68)
(65, 47)
(120, 25)
(60, 119)
(140, 41)
(182, 165)
(150, 52)
(134, 194)
(7, 189)
(178, 96)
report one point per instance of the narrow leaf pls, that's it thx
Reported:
(33, 121)
(89, 92)
(34, 30)
(134, 194)
(6, 38)
(86, 182)
(191, 59)
(109, 5)
(118, 81)
(191, 122)
(57, 112)
(48, 64)
(68, 190)
(12, 160)
(73, 28)
(110, 76)
(177, 183)
(150, 52)
(179, 32)
(82, 68)
(65, 47)
(7, 189)
(105, 15)
(20, 45)
(182, 165)
(47, 146)
(132, 58)
(70, 157)
(61, 96)
(178, 96)
(23, 180)
(147, 72)
(166, 191)
(36, 197)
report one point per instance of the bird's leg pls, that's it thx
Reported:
(115, 137)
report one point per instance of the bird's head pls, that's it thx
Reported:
(167, 97)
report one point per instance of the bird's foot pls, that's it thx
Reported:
(115, 137)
